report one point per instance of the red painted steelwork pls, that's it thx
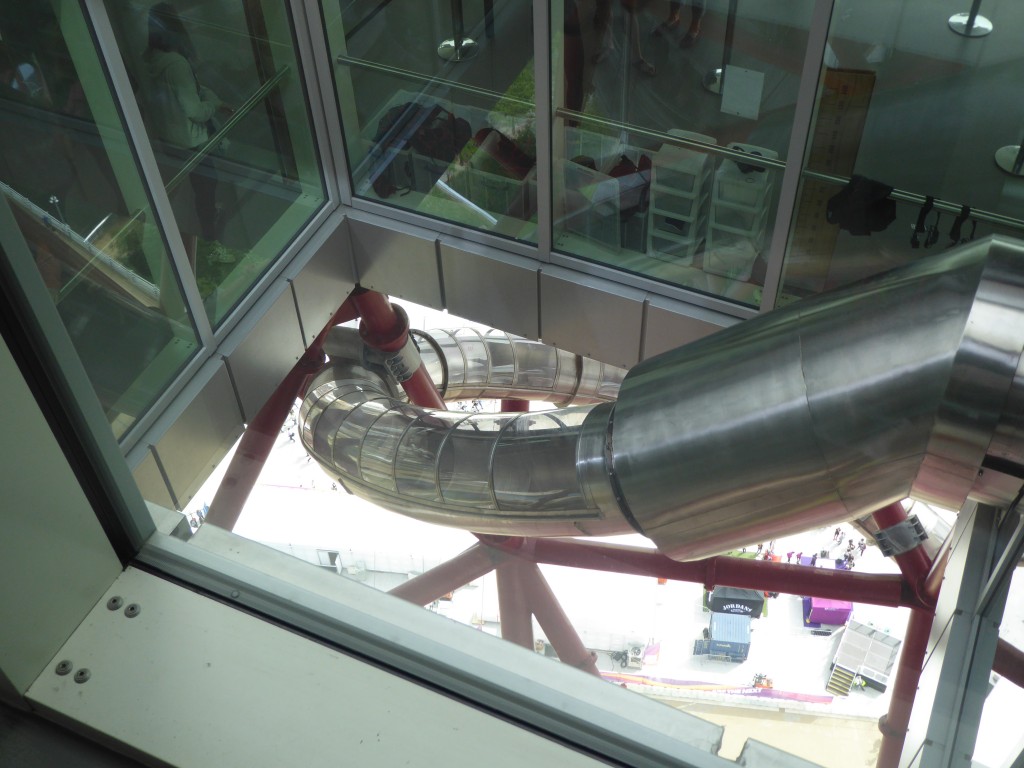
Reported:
(554, 622)
(870, 588)
(475, 562)
(513, 609)
(262, 431)
(515, 406)
(386, 327)
(894, 723)
(1009, 662)
(918, 574)
(915, 564)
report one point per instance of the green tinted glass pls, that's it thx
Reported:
(75, 191)
(222, 98)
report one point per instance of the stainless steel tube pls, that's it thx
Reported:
(830, 408)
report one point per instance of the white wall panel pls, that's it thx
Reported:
(55, 560)
(193, 682)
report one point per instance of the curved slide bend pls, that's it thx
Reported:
(901, 386)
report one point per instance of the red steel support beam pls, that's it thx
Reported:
(265, 427)
(919, 574)
(554, 622)
(385, 327)
(895, 722)
(915, 564)
(515, 406)
(871, 588)
(465, 567)
(1009, 662)
(513, 609)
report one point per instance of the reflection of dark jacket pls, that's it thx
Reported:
(177, 107)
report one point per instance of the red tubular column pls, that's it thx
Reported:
(447, 577)
(870, 588)
(554, 622)
(516, 619)
(914, 564)
(1009, 662)
(515, 406)
(386, 328)
(263, 430)
(893, 724)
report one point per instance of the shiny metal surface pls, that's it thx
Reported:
(497, 365)
(906, 385)
(513, 473)
(828, 409)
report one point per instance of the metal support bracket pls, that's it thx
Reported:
(902, 537)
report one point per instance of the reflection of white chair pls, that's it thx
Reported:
(740, 203)
(680, 196)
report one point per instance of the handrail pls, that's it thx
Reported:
(428, 79)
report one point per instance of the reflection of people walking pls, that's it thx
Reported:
(179, 110)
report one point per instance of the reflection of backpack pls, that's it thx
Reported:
(427, 129)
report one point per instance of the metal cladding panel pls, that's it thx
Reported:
(398, 260)
(323, 282)
(492, 288)
(150, 480)
(590, 316)
(262, 352)
(55, 559)
(201, 436)
(672, 324)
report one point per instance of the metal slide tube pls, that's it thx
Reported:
(513, 473)
(829, 408)
(820, 412)
(497, 365)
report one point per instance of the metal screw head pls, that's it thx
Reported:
(114, 603)
(132, 610)
(64, 667)
(234, 593)
(82, 675)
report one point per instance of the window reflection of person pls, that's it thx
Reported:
(179, 110)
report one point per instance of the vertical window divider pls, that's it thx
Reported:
(543, 112)
(814, 55)
(96, 15)
(318, 68)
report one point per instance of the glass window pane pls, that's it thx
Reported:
(75, 190)
(898, 121)
(437, 102)
(220, 91)
(662, 167)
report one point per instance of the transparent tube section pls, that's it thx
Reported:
(490, 473)
(495, 365)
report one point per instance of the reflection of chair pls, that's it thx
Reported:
(680, 195)
(739, 215)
